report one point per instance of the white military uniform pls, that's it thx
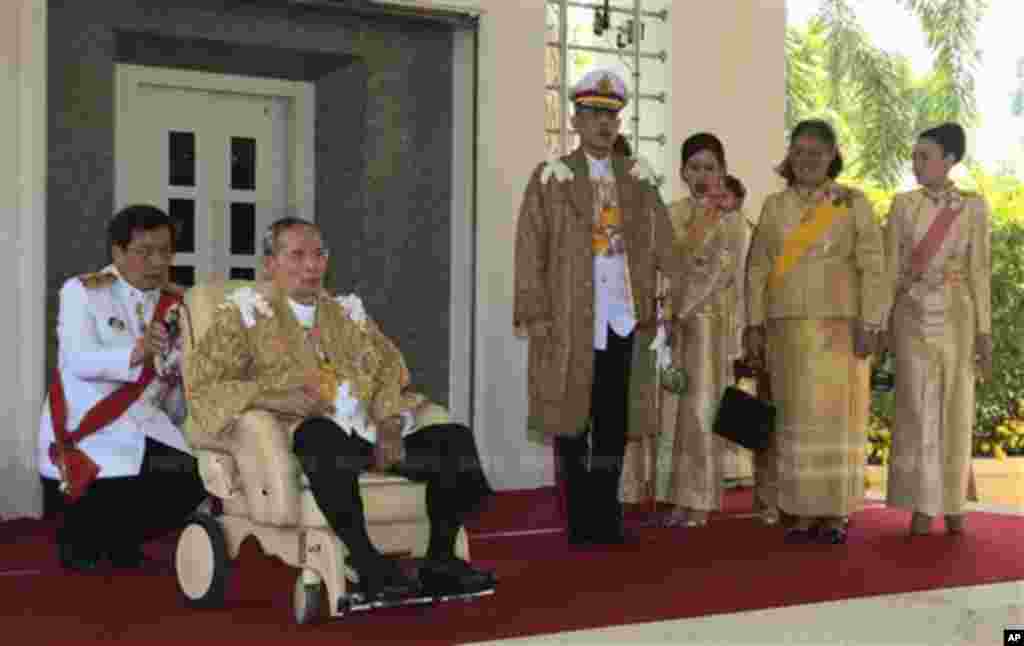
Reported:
(97, 328)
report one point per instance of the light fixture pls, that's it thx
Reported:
(602, 18)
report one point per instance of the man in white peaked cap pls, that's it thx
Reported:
(592, 235)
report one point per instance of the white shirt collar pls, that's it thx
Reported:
(306, 314)
(129, 290)
(599, 167)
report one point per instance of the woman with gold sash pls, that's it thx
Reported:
(817, 296)
(713, 237)
(937, 245)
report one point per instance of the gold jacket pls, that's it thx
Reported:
(716, 269)
(235, 363)
(842, 275)
(554, 287)
(963, 261)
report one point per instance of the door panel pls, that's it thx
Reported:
(217, 162)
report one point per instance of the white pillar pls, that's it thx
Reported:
(510, 144)
(728, 76)
(22, 250)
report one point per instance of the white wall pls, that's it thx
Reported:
(22, 231)
(730, 80)
(511, 143)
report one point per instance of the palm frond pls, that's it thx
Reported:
(951, 30)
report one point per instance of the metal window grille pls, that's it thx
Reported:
(622, 23)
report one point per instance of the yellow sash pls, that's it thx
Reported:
(803, 237)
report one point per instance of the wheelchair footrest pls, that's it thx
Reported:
(357, 601)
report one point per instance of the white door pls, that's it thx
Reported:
(216, 160)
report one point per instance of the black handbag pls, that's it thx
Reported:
(745, 420)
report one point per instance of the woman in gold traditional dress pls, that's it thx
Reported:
(817, 296)
(940, 328)
(713, 237)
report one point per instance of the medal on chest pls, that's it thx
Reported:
(607, 237)
(140, 313)
(328, 377)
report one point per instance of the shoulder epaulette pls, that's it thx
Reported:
(98, 280)
(558, 169)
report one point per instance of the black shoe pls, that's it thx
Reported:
(609, 530)
(381, 579)
(612, 534)
(453, 576)
(578, 536)
(128, 558)
(833, 536)
(77, 559)
(801, 536)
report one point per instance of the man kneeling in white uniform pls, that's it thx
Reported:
(111, 454)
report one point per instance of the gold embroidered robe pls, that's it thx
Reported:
(234, 364)
(554, 291)
(820, 388)
(707, 341)
(933, 326)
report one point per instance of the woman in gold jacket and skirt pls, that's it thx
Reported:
(817, 295)
(940, 332)
(714, 238)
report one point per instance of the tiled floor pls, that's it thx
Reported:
(974, 616)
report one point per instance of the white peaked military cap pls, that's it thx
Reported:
(600, 88)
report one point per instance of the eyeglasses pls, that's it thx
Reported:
(298, 256)
(151, 253)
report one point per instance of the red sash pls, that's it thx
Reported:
(932, 241)
(77, 469)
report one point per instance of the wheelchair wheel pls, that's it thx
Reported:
(307, 600)
(201, 562)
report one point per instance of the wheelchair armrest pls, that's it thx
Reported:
(269, 472)
(219, 473)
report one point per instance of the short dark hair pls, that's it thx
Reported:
(736, 187)
(622, 147)
(137, 218)
(819, 129)
(273, 233)
(951, 137)
(700, 142)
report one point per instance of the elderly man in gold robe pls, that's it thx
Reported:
(285, 346)
(712, 237)
(817, 295)
(940, 332)
(591, 235)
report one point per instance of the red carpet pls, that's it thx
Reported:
(734, 564)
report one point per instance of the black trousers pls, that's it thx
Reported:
(119, 514)
(592, 465)
(444, 456)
